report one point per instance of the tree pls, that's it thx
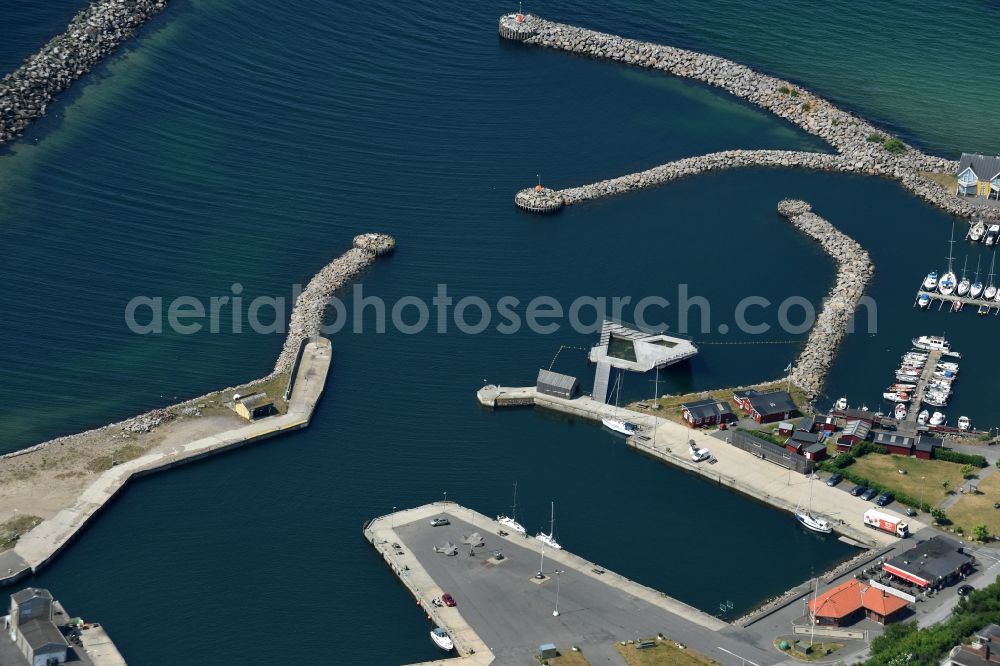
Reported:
(939, 516)
(968, 472)
(981, 532)
(945, 484)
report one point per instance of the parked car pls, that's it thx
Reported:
(447, 599)
(869, 494)
(857, 491)
(884, 499)
(438, 522)
(964, 590)
(834, 479)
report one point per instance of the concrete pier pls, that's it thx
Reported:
(739, 470)
(43, 543)
(503, 612)
(955, 302)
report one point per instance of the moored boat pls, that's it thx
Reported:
(510, 522)
(937, 418)
(924, 301)
(550, 538)
(977, 231)
(964, 423)
(620, 425)
(841, 404)
(900, 412)
(442, 639)
(923, 416)
(931, 343)
(931, 281)
(899, 396)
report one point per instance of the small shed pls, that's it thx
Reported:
(785, 428)
(925, 446)
(557, 385)
(547, 651)
(854, 432)
(253, 407)
(815, 452)
(826, 424)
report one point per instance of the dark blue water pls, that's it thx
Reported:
(212, 152)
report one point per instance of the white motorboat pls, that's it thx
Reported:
(901, 387)
(964, 423)
(991, 235)
(931, 281)
(841, 404)
(550, 538)
(947, 365)
(808, 520)
(924, 301)
(931, 343)
(899, 396)
(900, 412)
(944, 374)
(442, 639)
(510, 522)
(935, 400)
(937, 418)
(976, 231)
(923, 416)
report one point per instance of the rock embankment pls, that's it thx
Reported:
(862, 147)
(854, 273)
(92, 34)
(310, 306)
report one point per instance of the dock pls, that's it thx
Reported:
(933, 358)
(43, 543)
(504, 612)
(957, 303)
(668, 442)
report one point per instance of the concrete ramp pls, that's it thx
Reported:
(601, 378)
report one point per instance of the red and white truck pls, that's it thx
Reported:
(880, 520)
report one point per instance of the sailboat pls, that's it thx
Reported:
(964, 284)
(946, 285)
(808, 520)
(991, 290)
(977, 287)
(550, 538)
(510, 522)
(619, 425)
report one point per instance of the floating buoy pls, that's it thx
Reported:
(538, 188)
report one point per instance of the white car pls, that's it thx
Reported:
(698, 455)
(439, 522)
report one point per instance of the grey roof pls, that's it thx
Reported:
(932, 559)
(858, 429)
(816, 448)
(925, 443)
(860, 414)
(985, 166)
(775, 402)
(805, 437)
(749, 393)
(701, 409)
(555, 379)
(255, 400)
(39, 633)
(990, 631)
(892, 439)
(30, 593)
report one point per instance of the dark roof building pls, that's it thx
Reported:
(772, 406)
(815, 451)
(933, 563)
(899, 444)
(707, 412)
(925, 445)
(556, 385)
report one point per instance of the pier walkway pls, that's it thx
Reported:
(503, 613)
(958, 302)
(40, 545)
(667, 441)
(920, 392)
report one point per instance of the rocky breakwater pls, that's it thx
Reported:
(862, 147)
(310, 306)
(854, 272)
(92, 34)
(539, 199)
(692, 166)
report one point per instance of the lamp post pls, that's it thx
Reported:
(392, 519)
(555, 613)
(541, 567)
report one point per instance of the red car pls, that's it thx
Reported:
(447, 599)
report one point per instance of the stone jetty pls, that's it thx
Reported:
(92, 34)
(861, 147)
(310, 306)
(854, 273)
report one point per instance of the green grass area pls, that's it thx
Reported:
(665, 653)
(670, 405)
(567, 658)
(120, 455)
(801, 650)
(273, 387)
(948, 181)
(924, 479)
(972, 510)
(11, 530)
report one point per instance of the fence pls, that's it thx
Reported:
(770, 452)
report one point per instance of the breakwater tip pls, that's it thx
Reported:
(377, 244)
(539, 199)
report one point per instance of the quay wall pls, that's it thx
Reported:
(854, 273)
(93, 33)
(851, 136)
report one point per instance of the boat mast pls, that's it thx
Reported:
(951, 248)
(992, 262)
(552, 522)
(513, 509)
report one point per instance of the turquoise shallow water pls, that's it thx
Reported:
(211, 153)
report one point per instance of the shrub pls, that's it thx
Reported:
(784, 90)
(795, 93)
(894, 145)
(981, 533)
(940, 517)
(806, 107)
(958, 457)
(876, 138)
(835, 122)
(968, 472)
